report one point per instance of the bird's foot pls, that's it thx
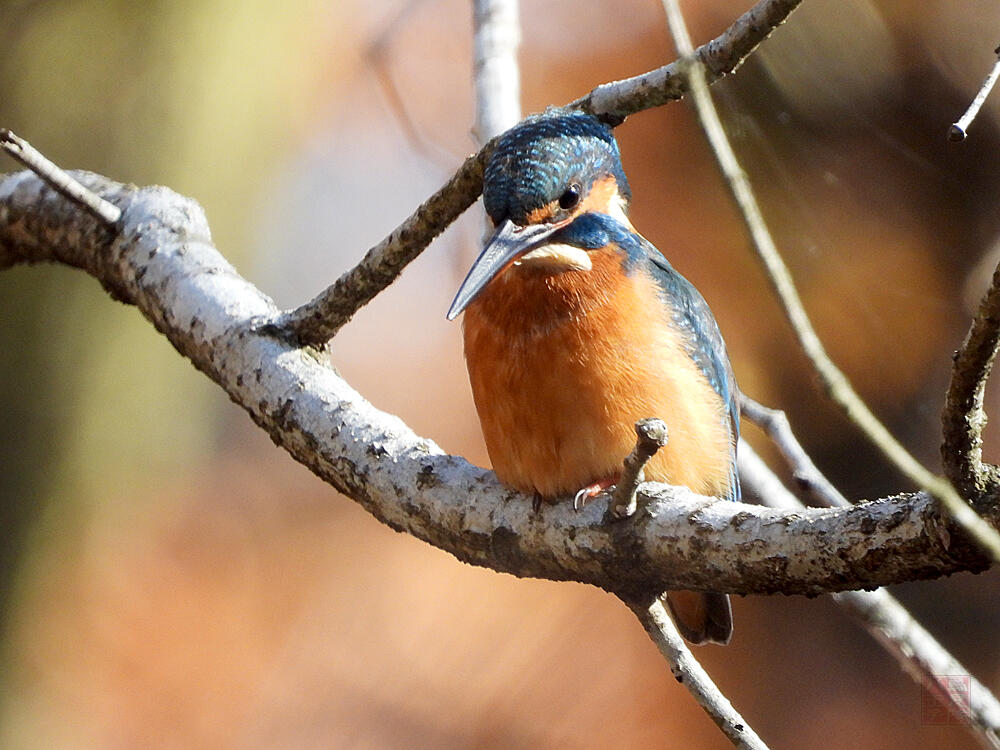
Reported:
(591, 491)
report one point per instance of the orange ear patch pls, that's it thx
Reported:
(542, 215)
(598, 199)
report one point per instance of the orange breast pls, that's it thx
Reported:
(563, 365)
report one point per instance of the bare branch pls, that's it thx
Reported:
(687, 670)
(495, 71)
(652, 435)
(916, 650)
(317, 321)
(959, 130)
(964, 419)
(721, 56)
(835, 381)
(925, 660)
(163, 262)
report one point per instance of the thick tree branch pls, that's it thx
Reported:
(163, 262)
(317, 321)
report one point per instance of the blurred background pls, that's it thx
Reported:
(170, 579)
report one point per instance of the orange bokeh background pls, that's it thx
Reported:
(171, 579)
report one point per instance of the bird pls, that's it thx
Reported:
(576, 326)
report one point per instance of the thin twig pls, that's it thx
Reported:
(916, 650)
(723, 55)
(837, 385)
(959, 130)
(58, 179)
(775, 423)
(692, 675)
(315, 322)
(926, 661)
(651, 435)
(964, 418)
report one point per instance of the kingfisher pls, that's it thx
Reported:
(576, 327)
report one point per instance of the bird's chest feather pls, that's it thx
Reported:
(563, 364)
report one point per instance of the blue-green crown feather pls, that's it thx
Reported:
(535, 161)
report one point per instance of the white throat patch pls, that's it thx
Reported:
(555, 258)
(616, 210)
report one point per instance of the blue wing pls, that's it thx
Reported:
(705, 344)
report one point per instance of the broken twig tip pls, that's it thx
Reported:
(652, 435)
(653, 432)
(956, 133)
(958, 130)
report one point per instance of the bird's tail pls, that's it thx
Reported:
(702, 617)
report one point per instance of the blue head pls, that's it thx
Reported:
(552, 160)
(543, 174)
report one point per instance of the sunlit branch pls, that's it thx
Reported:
(959, 130)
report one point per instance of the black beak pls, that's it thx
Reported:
(508, 242)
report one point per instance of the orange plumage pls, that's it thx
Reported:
(594, 351)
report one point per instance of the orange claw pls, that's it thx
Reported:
(591, 491)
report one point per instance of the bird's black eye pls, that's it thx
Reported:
(570, 198)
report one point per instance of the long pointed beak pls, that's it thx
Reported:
(508, 242)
